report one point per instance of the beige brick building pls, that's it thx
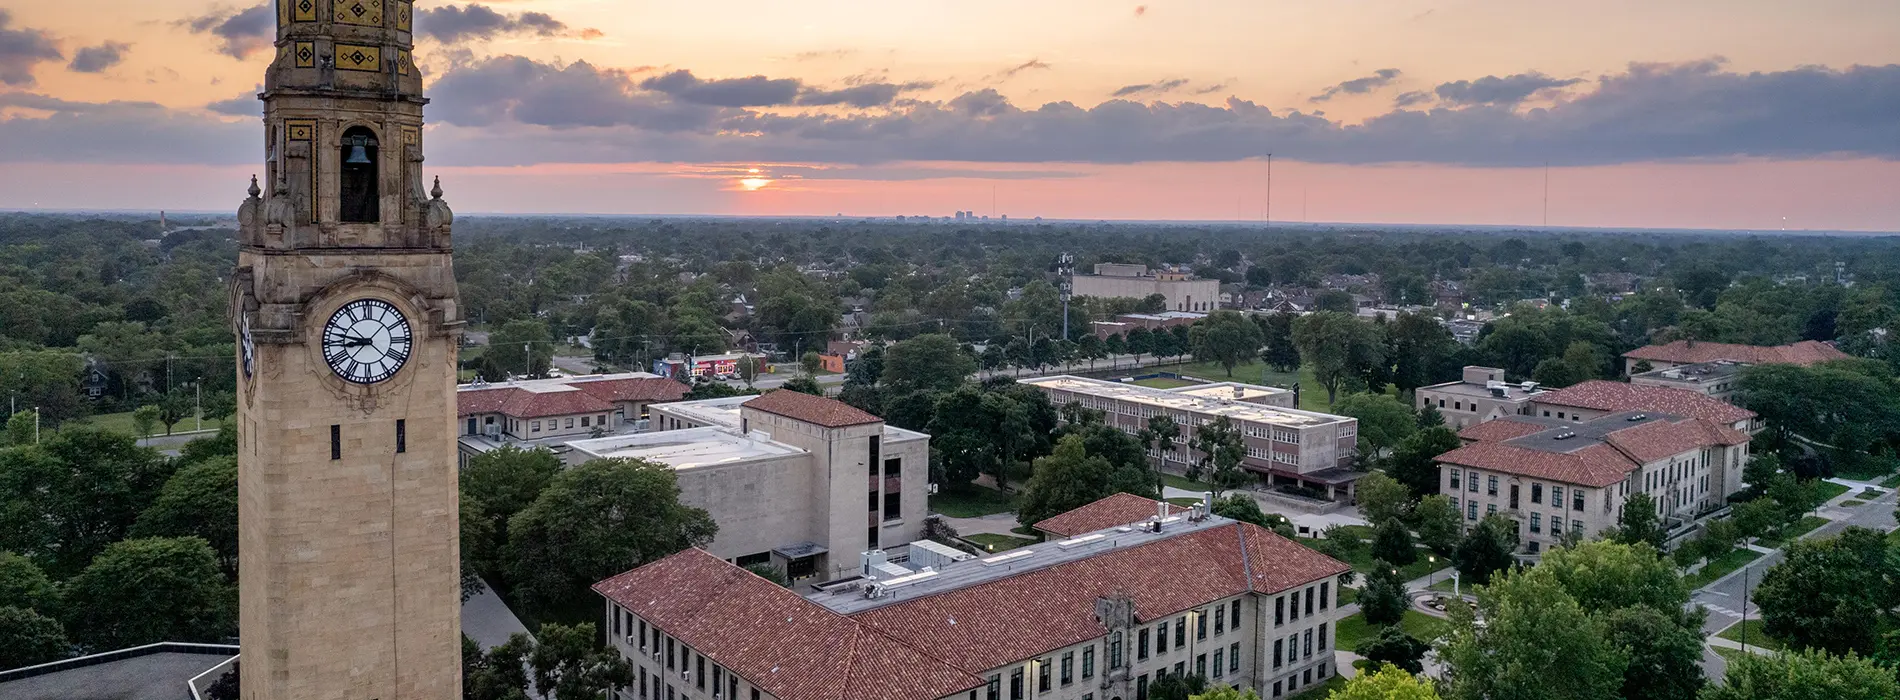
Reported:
(1480, 395)
(1099, 616)
(1183, 291)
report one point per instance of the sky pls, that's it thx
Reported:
(1729, 114)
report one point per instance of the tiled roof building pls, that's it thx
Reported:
(1119, 509)
(1599, 397)
(1100, 615)
(1688, 352)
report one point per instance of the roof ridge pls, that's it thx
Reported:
(1246, 561)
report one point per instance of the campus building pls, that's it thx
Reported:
(551, 411)
(1184, 292)
(1480, 395)
(1100, 616)
(1285, 445)
(1718, 379)
(1126, 323)
(1689, 352)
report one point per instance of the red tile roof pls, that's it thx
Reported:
(817, 410)
(649, 389)
(1806, 352)
(980, 627)
(787, 646)
(1610, 396)
(1596, 465)
(1113, 511)
(1659, 439)
(521, 403)
(1501, 429)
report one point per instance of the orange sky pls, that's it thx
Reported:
(1278, 55)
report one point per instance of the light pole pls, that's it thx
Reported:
(1432, 577)
(1744, 609)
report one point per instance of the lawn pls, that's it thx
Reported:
(122, 423)
(1791, 532)
(1321, 691)
(998, 543)
(1871, 494)
(1349, 595)
(972, 501)
(1184, 483)
(1892, 482)
(1353, 629)
(1164, 383)
(1730, 655)
(1825, 490)
(1721, 566)
(1849, 503)
(1361, 561)
(1185, 501)
(1756, 635)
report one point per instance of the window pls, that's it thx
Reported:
(1161, 639)
(1454, 502)
(1454, 478)
(1537, 523)
(585, 421)
(1141, 646)
(1141, 687)
(1115, 650)
(1557, 495)
(570, 422)
(993, 692)
(1576, 527)
(1180, 632)
(1322, 637)
(1016, 684)
(1043, 673)
(1576, 499)
(893, 506)
(1537, 493)
(699, 674)
(1293, 605)
(1292, 648)
(874, 499)
(1325, 597)
(1068, 667)
(874, 455)
(1490, 508)
(535, 426)
(1277, 645)
(1308, 643)
(1491, 487)
(1471, 510)
(1279, 611)
(1220, 668)
(1088, 662)
(1220, 622)
(358, 200)
(1309, 601)
(1233, 657)
(1276, 684)
(1306, 677)
(1200, 665)
(1200, 626)
(669, 653)
(336, 442)
(893, 467)
(402, 436)
(1513, 496)
(1471, 480)
(1233, 614)
(643, 681)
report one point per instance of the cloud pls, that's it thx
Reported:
(1415, 97)
(515, 89)
(245, 104)
(120, 132)
(1493, 90)
(1154, 88)
(862, 96)
(1360, 86)
(1031, 64)
(95, 59)
(751, 91)
(451, 24)
(21, 49)
(240, 33)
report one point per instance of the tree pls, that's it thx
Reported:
(229, 685)
(1382, 498)
(19, 429)
(28, 638)
(1665, 656)
(1638, 522)
(1792, 496)
(1221, 448)
(1755, 518)
(1393, 543)
(1487, 549)
(1383, 601)
(931, 362)
(1429, 417)
(748, 367)
(1388, 683)
(23, 585)
(478, 544)
(1759, 472)
(1226, 338)
(200, 500)
(771, 573)
(1438, 522)
(568, 665)
(1279, 352)
(174, 406)
(1244, 508)
(1339, 347)
(148, 590)
(1070, 478)
(1393, 647)
(596, 520)
(1383, 421)
(1161, 433)
(63, 500)
(1422, 349)
(1179, 686)
(1536, 642)
(1802, 675)
(1604, 575)
(221, 444)
(803, 385)
(811, 362)
(523, 347)
(1414, 462)
(1829, 594)
(499, 674)
(502, 482)
(145, 420)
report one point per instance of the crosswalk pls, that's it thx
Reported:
(1722, 611)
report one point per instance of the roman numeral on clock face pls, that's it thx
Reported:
(367, 341)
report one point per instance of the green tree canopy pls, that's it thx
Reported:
(1665, 656)
(803, 385)
(1829, 593)
(200, 500)
(597, 520)
(1225, 338)
(28, 638)
(64, 500)
(1388, 683)
(1383, 421)
(1804, 675)
(569, 665)
(931, 362)
(522, 347)
(1439, 523)
(150, 590)
(1338, 346)
(23, 585)
(1486, 549)
(1415, 461)
(1605, 575)
(1382, 498)
(1536, 642)
(1383, 601)
(1638, 523)
(1392, 542)
(1071, 478)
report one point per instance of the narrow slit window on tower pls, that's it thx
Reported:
(402, 436)
(336, 442)
(359, 201)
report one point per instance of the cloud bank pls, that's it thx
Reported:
(21, 49)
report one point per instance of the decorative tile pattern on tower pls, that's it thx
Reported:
(368, 13)
(361, 58)
(304, 10)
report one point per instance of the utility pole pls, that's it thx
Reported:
(528, 359)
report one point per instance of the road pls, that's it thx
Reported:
(1724, 597)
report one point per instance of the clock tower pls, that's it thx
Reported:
(348, 325)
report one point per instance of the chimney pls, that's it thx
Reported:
(1161, 510)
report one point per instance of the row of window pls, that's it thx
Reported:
(1226, 661)
(1305, 678)
(336, 440)
(1459, 406)
(665, 652)
(1298, 646)
(1537, 489)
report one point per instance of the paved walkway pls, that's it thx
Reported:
(488, 621)
(995, 524)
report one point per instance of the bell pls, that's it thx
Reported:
(358, 156)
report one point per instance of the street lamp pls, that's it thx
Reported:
(1431, 578)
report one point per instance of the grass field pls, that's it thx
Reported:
(1348, 595)
(1730, 655)
(1321, 691)
(1185, 484)
(1849, 503)
(1353, 629)
(1721, 566)
(1892, 482)
(1756, 635)
(122, 423)
(1791, 532)
(1825, 490)
(1871, 494)
(1164, 383)
(972, 501)
(998, 543)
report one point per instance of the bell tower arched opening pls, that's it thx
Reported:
(359, 202)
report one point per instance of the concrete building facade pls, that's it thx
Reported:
(1183, 291)
(1100, 616)
(1480, 395)
(1718, 380)
(1285, 445)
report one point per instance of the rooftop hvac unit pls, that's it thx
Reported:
(633, 642)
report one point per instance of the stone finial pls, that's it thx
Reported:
(436, 192)
(254, 191)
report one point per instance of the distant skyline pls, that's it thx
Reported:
(1729, 114)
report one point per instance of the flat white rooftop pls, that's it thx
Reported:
(1173, 400)
(724, 412)
(686, 449)
(553, 384)
(1231, 390)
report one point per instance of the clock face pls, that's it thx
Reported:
(367, 341)
(245, 346)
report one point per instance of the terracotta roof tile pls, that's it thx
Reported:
(1613, 397)
(1659, 439)
(651, 389)
(1113, 511)
(1806, 352)
(1596, 465)
(1500, 429)
(521, 403)
(817, 410)
(981, 627)
(789, 647)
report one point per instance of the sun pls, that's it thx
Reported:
(753, 184)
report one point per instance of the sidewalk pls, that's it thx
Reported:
(488, 621)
